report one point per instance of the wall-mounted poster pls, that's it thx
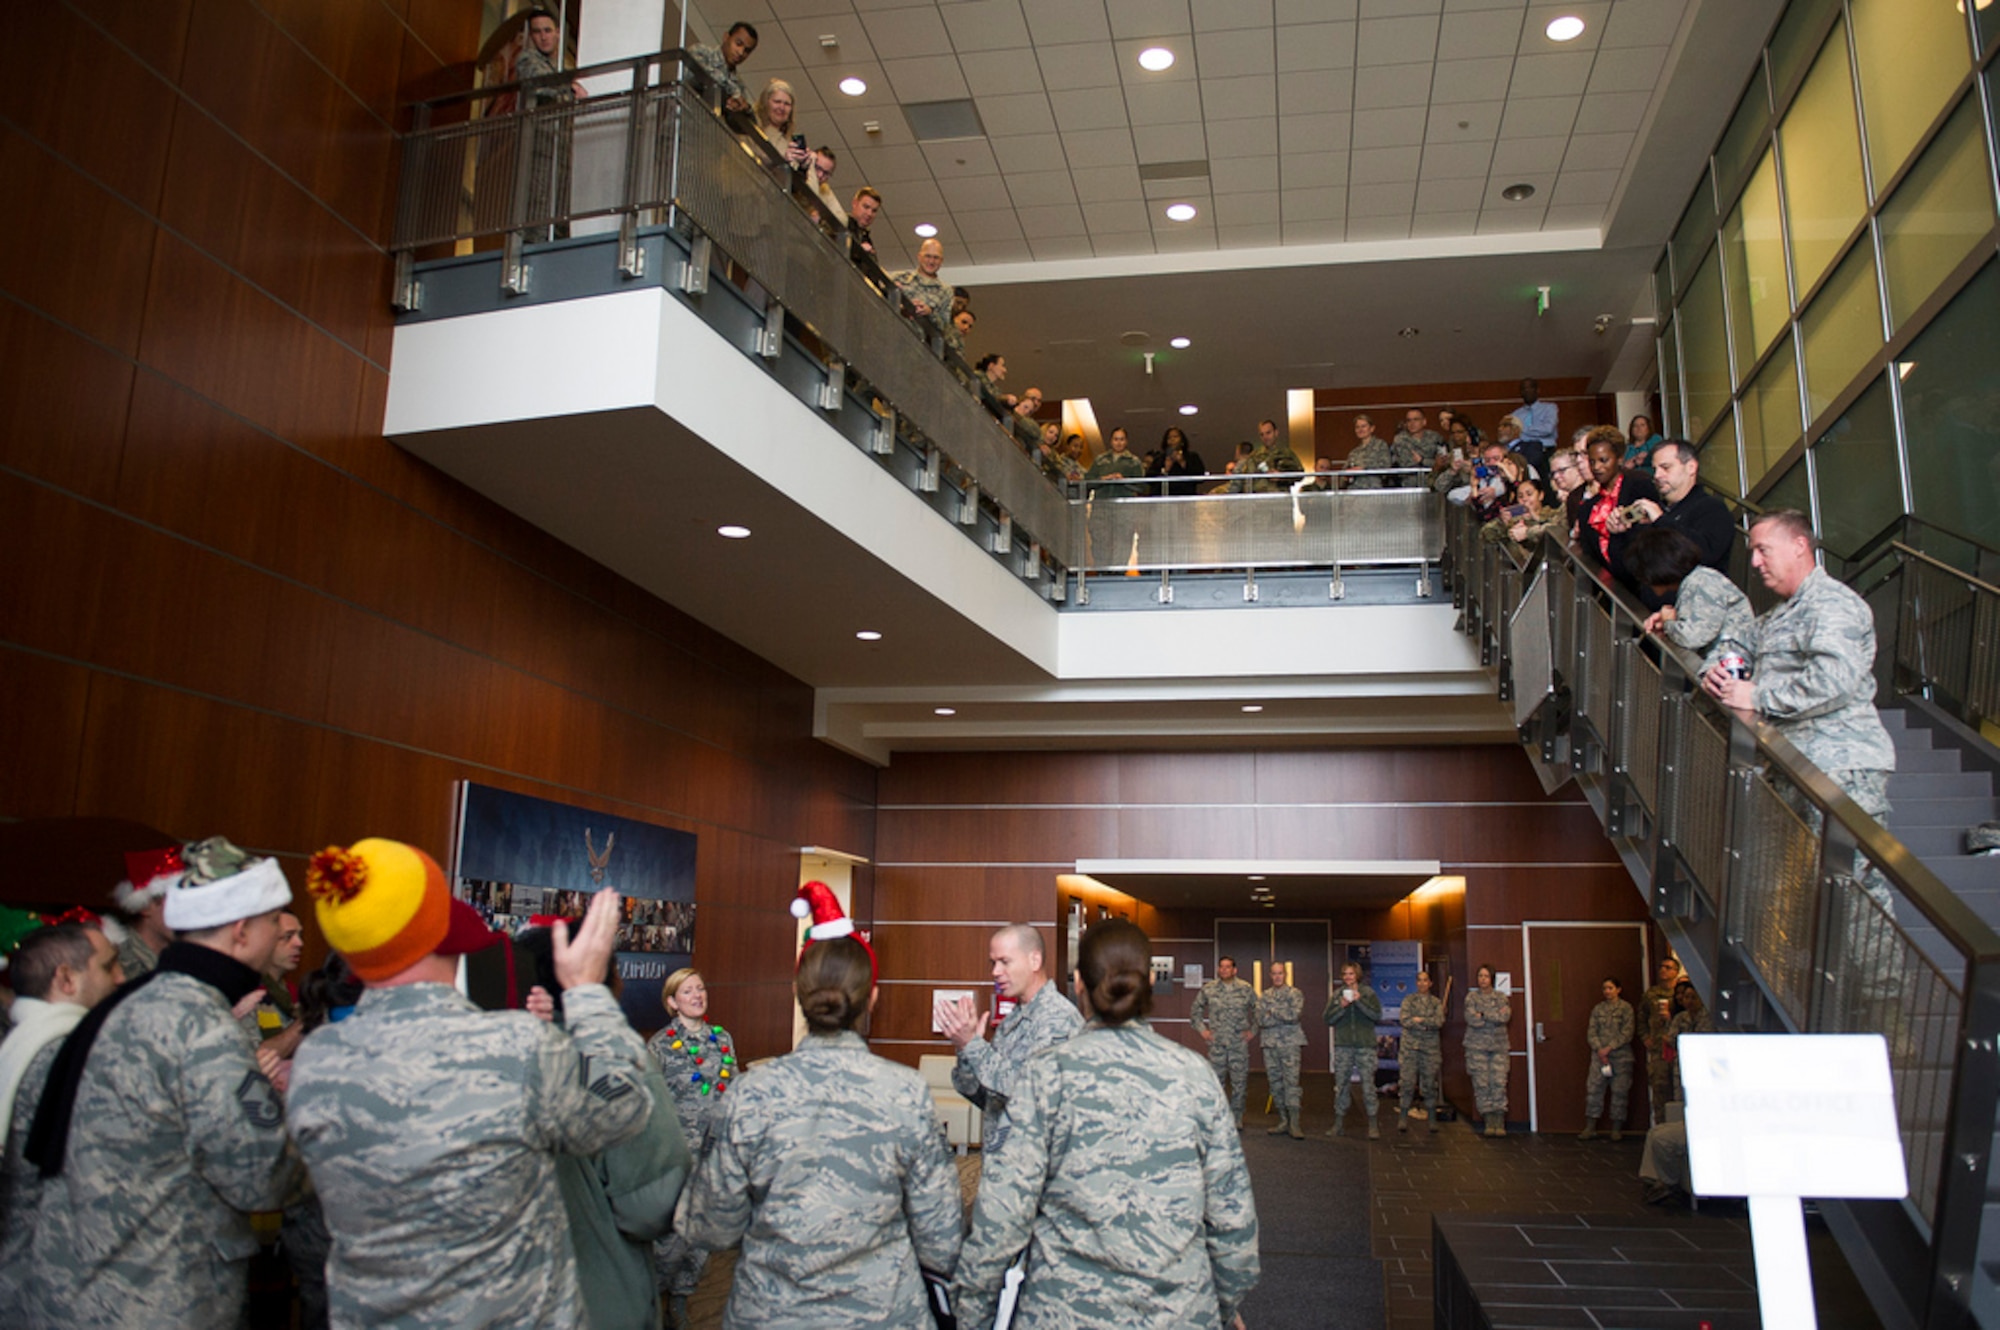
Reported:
(519, 856)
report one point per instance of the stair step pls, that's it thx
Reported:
(1915, 785)
(1972, 877)
(1960, 813)
(1894, 721)
(1929, 843)
(1913, 760)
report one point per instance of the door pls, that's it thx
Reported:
(1567, 964)
(1300, 943)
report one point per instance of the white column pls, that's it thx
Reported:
(612, 30)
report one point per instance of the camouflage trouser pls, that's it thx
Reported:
(1420, 1074)
(1281, 1064)
(1620, 1082)
(1869, 946)
(1660, 1083)
(1488, 1069)
(1346, 1062)
(1230, 1057)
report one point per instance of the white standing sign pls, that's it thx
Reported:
(1779, 1117)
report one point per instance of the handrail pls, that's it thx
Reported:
(1908, 553)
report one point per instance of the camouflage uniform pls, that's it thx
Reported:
(1371, 455)
(1278, 1030)
(830, 1167)
(693, 1066)
(432, 1130)
(1611, 1026)
(1659, 1066)
(1125, 465)
(175, 1140)
(988, 1073)
(1277, 459)
(1125, 1181)
(1421, 1053)
(1227, 1008)
(711, 62)
(1407, 451)
(935, 296)
(1487, 1012)
(1354, 1051)
(1709, 608)
(1696, 1021)
(135, 957)
(1425, 447)
(21, 1191)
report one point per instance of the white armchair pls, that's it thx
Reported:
(961, 1117)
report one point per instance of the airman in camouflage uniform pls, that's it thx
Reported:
(1659, 1071)
(929, 293)
(1691, 1018)
(1225, 1015)
(830, 1167)
(1352, 1010)
(1371, 453)
(1278, 1030)
(715, 62)
(989, 1072)
(1609, 1034)
(1125, 1181)
(1708, 608)
(21, 1193)
(1487, 1013)
(1421, 1052)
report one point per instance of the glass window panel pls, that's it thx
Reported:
(1797, 37)
(1753, 254)
(1793, 490)
(1704, 348)
(1989, 24)
(1940, 210)
(1770, 413)
(1911, 58)
(1672, 412)
(1742, 141)
(1718, 459)
(1843, 328)
(1821, 147)
(1663, 288)
(1696, 229)
(1950, 418)
(1859, 490)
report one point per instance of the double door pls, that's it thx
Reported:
(1304, 944)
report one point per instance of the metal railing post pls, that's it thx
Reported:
(1968, 1147)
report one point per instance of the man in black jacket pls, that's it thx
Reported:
(1697, 513)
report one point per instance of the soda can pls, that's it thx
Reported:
(1735, 664)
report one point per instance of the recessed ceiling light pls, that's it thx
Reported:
(1181, 343)
(733, 532)
(1565, 29)
(925, 229)
(1190, 409)
(1256, 877)
(1180, 212)
(944, 711)
(869, 635)
(1156, 58)
(1251, 707)
(852, 86)
(1517, 193)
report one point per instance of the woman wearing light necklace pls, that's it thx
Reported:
(698, 1059)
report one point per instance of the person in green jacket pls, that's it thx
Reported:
(1352, 1010)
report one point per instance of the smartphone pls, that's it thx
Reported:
(1515, 512)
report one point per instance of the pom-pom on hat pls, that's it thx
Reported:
(382, 905)
(816, 901)
(221, 885)
(148, 874)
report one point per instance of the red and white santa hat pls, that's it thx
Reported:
(816, 901)
(149, 874)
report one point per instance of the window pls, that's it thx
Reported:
(1793, 44)
(1952, 429)
(1859, 489)
(1911, 58)
(1942, 208)
(1843, 328)
(1770, 413)
(1697, 228)
(1719, 462)
(1745, 136)
(1821, 147)
(1673, 413)
(1753, 252)
(1793, 490)
(1704, 348)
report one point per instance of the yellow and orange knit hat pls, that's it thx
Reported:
(382, 905)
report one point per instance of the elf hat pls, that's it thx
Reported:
(221, 885)
(148, 874)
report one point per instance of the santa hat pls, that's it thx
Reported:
(816, 901)
(222, 884)
(148, 875)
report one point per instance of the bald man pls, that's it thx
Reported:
(988, 1073)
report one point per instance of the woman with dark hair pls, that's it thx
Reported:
(1639, 441)
(1703, 608)
(1122, 1176)
(829, 1167)
(1487, 1012)
(1176, 458)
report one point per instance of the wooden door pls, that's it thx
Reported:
(1567, 964)
(1300, 943)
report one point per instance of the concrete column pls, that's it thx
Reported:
(612, 30)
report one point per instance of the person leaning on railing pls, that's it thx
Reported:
(719, 65)
(1699, 606)
(1114, 470)
(1524, 520)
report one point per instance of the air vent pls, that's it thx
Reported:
(1191, 170)
(933, 122)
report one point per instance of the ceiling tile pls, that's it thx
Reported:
(1236, 54)
(1241, 138)
(1627, 68)
(1125, 55)
(1393, 85)
(1164, 192)
(1377, 166)
(1497, 200)
(1615, 111)
(1432, 224)
(1094, 108)
(1644, 23)
(1182, 238)
(1148, 18)
(1226, 174)
(1310, 92)
(1084, 66)
(1377, 200)
(900, 34)
(975, 193)
(1043, 187)
(1450, 195)
(996, 73)
(1394, 41)
(1249, 237)
(1395, 226)
(1117, 215)
(926, 80)
(999, 251)
(995, 224)
(1519, 158)
(1481, 80)
(1535, 37)
(1238, 99)
(887, 166)
(913, 200)
(1536, 117)
(989, 25)
(1573, 215)
(1170, 143)
(1313, 133)
(1163, 103)
(1388, 129)
(1480, 33)
(1212, 14)
(1308, 170)
(1399, 8)
(1091, 148)
(802, 37)
(1316, 231)
(960, 157)
(1027, 154)
(1316, 46)
(1598, 152)
(1247, 209)
(1118, 181)
(1109, 244)
(884, 4)
(1559, 75)
(1017, 113)
(1585, 187)
(1509, 222)
(789, 9)
(1457, 161)
(891, 129)
(1312, 205)
(1057, 21)
(1464, 122)
(1054, 220)
(1060, 247)
(1462, 6)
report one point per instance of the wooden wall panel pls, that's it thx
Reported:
(73, 444)
(89, 101)
(42, 739)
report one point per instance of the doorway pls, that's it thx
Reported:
(1566, 965)
(1303, 943)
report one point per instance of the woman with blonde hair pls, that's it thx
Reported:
(775, 121)
(698, 1060)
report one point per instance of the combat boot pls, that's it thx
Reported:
(1374, 1133)
(1402, 1119)
(1297, 1133)
(1335, 1131)
(1434, 1119)
(1496, 1124)
(1617, 1134)
(1589, 1133)
(1284, 1121)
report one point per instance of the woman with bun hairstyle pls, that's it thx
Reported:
(1123, 1175)
(827, 1164)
